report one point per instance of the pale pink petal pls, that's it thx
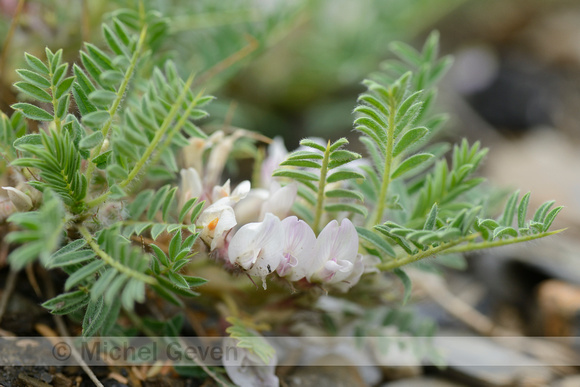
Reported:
(299, 242)
(335, 253)
(345, 246)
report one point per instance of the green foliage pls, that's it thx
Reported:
(428, 207)
(126, 124)
(394, 118)
(11, 129)
(41, 233)
(59, 163)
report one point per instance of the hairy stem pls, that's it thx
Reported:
(151, 148)
(182, 120)
(111, 262)
(115, 106)
(452, 247)
(382, 199)
(321, 186)
(57, 121)
(444, 247)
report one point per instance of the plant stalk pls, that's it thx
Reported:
(321, 187)
(113, 109)
(111, 262)
(382, 199)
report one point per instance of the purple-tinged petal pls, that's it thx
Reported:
(299, 242)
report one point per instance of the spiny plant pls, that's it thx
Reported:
(100, 200)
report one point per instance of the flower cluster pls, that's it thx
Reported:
(269, 241)
(290, 248)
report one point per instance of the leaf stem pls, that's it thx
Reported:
(111, 262)
(501, 242)
(321, 186)
(382, 199)
(398, 262)
(117, 102)
(452, 247)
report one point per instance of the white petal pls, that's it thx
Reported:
(353, 277)
(241, 191)
(190, 186)
(226, 222)
(220, 192)
(280, 201)
(192, 153)
(215, 221)
(218, 157)
(276, 154)
(257, 247)
(248, 209)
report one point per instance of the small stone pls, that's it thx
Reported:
(485, 362)
(559, 305)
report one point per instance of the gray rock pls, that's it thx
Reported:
(482, 361)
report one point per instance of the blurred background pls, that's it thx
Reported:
(294, 69)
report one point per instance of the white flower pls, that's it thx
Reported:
(240, 192)
(299, 243)
(216, 221)
(257, 247)
(335, 258)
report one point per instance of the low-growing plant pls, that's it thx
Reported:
(118, 187)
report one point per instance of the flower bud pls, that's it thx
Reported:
(20, 200)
